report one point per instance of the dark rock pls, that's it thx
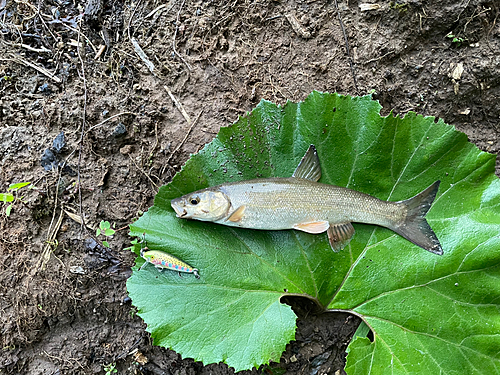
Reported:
(49, 160)
(58, 143)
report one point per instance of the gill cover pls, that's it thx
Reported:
(204, 205)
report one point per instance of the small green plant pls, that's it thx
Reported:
(401, 7)
(456, 39)
(133, 312)
(105, 229)
(12, 195)
(133, 243)
(110, 368)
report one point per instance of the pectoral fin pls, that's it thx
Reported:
(309, 167)
(314, 227)
(339, 235)
(237, 215)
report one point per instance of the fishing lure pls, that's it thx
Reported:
(162, 260)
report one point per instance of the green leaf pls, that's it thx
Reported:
(104, 225)
(105, 244)
(18, 186)
(362, 331)
(109, 232)
(428, 314)
(6, 197)
(8, 210)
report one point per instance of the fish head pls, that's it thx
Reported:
(148, 255)
(204, 205)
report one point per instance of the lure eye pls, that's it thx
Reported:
(194, 200)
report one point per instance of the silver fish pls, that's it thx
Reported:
(300, 202)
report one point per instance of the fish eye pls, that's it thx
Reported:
(194, 200)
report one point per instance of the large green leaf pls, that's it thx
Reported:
(429, 314)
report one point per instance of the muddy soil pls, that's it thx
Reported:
(101, 72)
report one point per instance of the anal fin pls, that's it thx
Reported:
(237, 215)
(339, 235)
(314, 227)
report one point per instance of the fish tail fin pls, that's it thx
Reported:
(415, 228)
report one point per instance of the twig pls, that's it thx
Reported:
(178, 105)
(140, 169)
(131, 18)
(273, 18)
(52, 232)
(474, 16)
(36, 67)
(142, 55)
(102, 47)
(156, 140)
(43, 21)
(82, 134)
(28, 47)
(347, 46)
(157, 9)
(137, 48)
(175, 35)
(79, 32)
(45, 256)
(185, 137)
(108, 119)
(53, 229)
(379, 58)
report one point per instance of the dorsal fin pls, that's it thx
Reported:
(309, 167)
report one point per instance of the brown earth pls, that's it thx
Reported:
(218, 59)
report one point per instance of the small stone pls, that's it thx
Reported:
(119, 130)
(125, 150)
(456, 70)
(140, 358)
(77, 269)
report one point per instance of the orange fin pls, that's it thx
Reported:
(339, 235)
(313, 227)
(237, 215)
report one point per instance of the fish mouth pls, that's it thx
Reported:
(181, 212)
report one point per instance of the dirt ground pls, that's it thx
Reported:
(84, 68)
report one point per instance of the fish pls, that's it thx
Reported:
(162, 260)
(302, 203)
